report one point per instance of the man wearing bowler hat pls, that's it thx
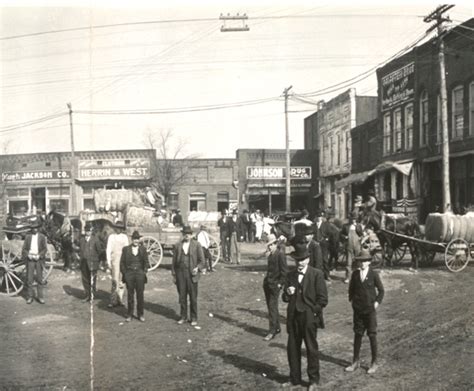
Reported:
(115, 243)
(306, 294)
(34, 253)
(366, 294)
(134, 265)
(188, 258)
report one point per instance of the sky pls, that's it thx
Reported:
(130, 69)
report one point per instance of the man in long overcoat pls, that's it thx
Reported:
(306, 294)
(188, 259)
(90, 249)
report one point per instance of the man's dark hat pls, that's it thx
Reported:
(119, 224)
(136, 235)
(35, 223)
(187, 230)
(303, 229)
(320, 213)
(364, 255)
(301, 251)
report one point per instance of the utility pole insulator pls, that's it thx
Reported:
(234, 26)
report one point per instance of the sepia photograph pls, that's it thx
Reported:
(236, 195)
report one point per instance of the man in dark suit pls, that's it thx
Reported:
(366, 294)
(351, 234)
(273, 282)
(235, 229)
(321, 235)
(34, 253)
(178, 219)
(134, 265)
(224, 235)
(247, 225)
(90, 250)
(306, 294)
(188, 258)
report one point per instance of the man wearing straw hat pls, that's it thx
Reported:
(33, 253)
(306, 294)
(188, 258)
(115, 243)
(366, 294)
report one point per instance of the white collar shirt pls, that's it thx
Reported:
(34, 244)
(363, 274)
(301, 274)
(135, 250)
(186, 247)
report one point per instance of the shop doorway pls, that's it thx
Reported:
(38, 199)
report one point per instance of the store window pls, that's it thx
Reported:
(173, 200)
(397, 130)
(18, 208)
(88, 198)
(197, 202)
(338, 147)
(222, 200)
(471, 109)
(457, 112)
(59, 205)
(424, 118)
(408, 127)
(59, 199)
(387, 130)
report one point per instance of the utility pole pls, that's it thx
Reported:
(287, 145)
(439, 19)
(73, 163)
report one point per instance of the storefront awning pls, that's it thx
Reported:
(357, 177)
(403, 167)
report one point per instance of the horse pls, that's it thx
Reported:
(402, 225)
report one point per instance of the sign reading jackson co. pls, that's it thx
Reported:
(269, 172)
(91, 170)
(398, 86)
(29, 176)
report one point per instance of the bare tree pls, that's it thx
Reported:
(170, 167)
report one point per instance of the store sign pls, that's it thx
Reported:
(398, 86)
(268, 172)
(28, 176)
(406, 206)
(92, 170)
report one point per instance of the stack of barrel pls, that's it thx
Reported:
(444, 227)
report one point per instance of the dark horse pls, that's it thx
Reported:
(402, 225)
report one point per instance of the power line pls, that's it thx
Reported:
(30, 123)
(194, 20)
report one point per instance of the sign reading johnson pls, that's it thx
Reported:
(93, 170)
(398, 86)
(33, 176)
(269, 172)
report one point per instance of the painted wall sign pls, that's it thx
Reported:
(398, 86)
(28, 176)
(90, 170)
(269, 172)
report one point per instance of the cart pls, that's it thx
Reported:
(457, 252)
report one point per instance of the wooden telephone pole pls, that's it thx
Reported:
(439, 19)
(287, 147)
(73, 163)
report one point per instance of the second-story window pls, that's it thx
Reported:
(338, 146)
(408, 127)
(457, 112)
(471, 109)
(424, 118)
(387, 133)
(439, 122)
(397, 130)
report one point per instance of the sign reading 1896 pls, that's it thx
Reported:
(271, 172)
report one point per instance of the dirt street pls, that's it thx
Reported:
(426, 325)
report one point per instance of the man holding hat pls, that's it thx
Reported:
(366, 294)
(115, 243)
(134, 265)
(90, 250)
(34, 253)
(188, 258)
(306, 294)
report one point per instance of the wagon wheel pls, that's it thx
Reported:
(154, 250)
(457, 255)
(393, 255)
(215, 250)
(12, 273)
(342, 257)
